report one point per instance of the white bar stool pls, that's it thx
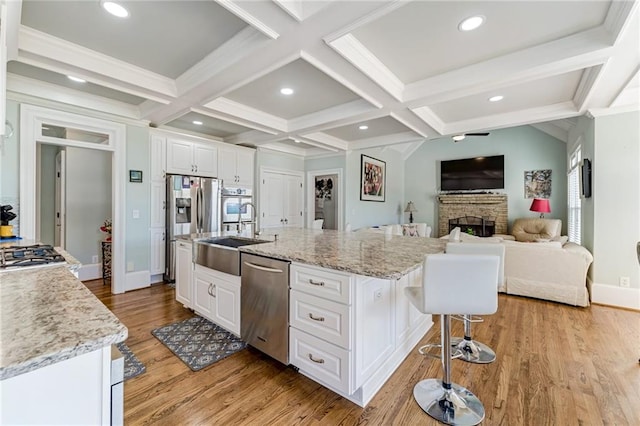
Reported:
(447, 289)
(471, 350)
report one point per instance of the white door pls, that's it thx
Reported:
(157, 251)
(58, 237)
(227, 305)
(227, 166)
(293, 201)
(203, 294)
(245, 168)
(158, 158)
(272, 200)
(205, 159)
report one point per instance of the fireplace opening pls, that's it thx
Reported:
(478, 226)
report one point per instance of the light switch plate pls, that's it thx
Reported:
(136, 214)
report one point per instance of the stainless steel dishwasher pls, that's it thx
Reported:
(264, 320)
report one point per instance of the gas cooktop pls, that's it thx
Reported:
(23, 256)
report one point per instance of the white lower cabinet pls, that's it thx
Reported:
(184, 273)
(217, 298)
(350, 332)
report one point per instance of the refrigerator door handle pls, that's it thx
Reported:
(200, 209)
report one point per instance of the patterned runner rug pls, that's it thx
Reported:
(132, 365)
(198, 342)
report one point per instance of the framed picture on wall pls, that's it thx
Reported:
(135, 176)
(372, 179)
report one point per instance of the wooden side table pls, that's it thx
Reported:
(106, 261)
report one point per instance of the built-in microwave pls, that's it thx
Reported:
(234, 203)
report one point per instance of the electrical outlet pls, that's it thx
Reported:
(94, 259)
(130, 267)
(625, 282)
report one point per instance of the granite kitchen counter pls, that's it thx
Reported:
(46, 316)
(363, 253)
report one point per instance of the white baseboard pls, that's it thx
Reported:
(136, 280)
(90, 272)
(615, 296)
(158, 278)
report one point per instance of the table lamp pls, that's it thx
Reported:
(410, 209)
(540, 205)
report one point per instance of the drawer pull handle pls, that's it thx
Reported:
(319, 361)
(315, 318)
(318, 283)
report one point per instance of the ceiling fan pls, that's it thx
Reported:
(461, 136)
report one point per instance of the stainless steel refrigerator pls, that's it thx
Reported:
(193, 206)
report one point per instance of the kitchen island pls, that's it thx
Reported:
(350, 323)
(55, 348)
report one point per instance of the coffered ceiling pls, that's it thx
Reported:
(403, 68)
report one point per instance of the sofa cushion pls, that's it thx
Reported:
(536, 229)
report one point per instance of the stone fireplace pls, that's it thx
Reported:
(488, 212)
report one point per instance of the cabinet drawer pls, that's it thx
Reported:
(321, 318)
(321, 282)
(323, 361)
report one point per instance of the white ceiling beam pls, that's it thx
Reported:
(578, 51)
(618, 18)
(431, 118)
(386, 140)
(236, 109)
(327, 140)
(237, 9)
(11, 27)
(40, 49)
(333, 114)
(514, 118)
(40, 89)
(413, 122)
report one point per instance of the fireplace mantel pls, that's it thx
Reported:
(490, 206)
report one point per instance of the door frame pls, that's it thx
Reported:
(31, 120)
(311, 194)
(61, 198)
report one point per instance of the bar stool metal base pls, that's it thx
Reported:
(472, 351)
(455, 406)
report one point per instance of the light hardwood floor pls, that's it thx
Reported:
(557, 365)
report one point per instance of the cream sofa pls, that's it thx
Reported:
(540, 263)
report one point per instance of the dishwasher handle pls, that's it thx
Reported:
(263, 268)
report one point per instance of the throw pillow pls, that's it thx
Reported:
(410, 230)
(454, 235)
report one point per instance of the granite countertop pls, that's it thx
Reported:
(364, 253)
(46, 316)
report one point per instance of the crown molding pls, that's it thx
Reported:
(385, 141)
(236, 109)
(602, 112)
(234, 49)
(251, 136)
(431, 118)
(55, 93)
(363, 59)
(36, 46)
(380, 11)
(236, 9)
(578, 51)
(340, 78)
(628, 95)
(515, 118)
(301, 9)
(588, 81)
(618, 17)
(332, 114)
(282, 149)
(327, 140)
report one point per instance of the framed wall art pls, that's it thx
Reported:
(537, 184)
(372, 179)
(135, 176)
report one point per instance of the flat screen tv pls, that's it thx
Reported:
(472, 174)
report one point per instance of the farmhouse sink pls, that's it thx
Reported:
(221, 253)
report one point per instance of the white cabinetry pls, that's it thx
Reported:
(235, 166)
(217, 298)
(184, 273)
(191, 158)
(157, 251)
(157, 174)
(281, 200)
(350, 332)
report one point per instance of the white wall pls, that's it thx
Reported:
(524, 148)
(616, 194)
(88, 201)
(9, 176)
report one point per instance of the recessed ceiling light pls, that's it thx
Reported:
(197, 123)
(286, 91)
(458, 137)
(363, 127)
(115, 9)
(496, 98)
(76, 79)
(471, 23)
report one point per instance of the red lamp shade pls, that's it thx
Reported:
(540, 205)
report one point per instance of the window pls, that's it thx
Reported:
(573, 196)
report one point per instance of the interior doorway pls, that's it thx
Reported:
(325, 197)
(60, 201)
